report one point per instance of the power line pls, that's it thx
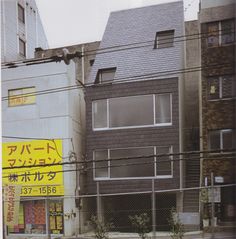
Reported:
(222, 153)
(97, 51)
(118, 80)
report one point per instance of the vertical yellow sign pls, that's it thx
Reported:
(11, 204)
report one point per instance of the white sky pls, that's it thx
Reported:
(69, 22)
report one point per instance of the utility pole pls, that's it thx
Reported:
(153, 210)
(48, 215)
(212, 207)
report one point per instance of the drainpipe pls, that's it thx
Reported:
(82, 63)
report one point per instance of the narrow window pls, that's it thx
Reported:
(164, 39)
(21, 13)
(213, 88)
(22, 48)
(22, 96)
(101, 163)
(163, 162)
(227, 32)
(213, 34)
(100, 114)
(105, 75)
(163, 108)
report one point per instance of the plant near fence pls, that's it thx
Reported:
(177, 227)
(100, 228)
(140, 224)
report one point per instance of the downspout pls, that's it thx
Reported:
(82, 64)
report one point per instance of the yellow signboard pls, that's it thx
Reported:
(36, 165)
(23, 96)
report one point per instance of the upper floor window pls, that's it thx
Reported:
(221, 87)
(22, 96)
(221, 139)
(22, 47)
(220, 33)
(164, 39)
(133, 162)
(125, 112)
(105, 75)
(21, 13)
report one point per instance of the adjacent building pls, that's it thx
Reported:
(217, 104)
(21, 30)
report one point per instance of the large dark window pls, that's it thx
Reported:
(133, 162)
(132, 111)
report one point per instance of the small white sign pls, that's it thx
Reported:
(219, 179)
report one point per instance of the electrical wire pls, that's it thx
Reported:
(97, 51)
(118, 80)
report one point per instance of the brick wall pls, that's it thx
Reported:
(219, 114)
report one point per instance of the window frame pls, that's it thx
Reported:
(21, 13)
(171, 31)
(100, 72)
(221, 132)
(220, 85)
(155, 163)
(136, 126)
(21, 96)
(219, 33)
(23, 54)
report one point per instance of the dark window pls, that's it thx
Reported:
(133, 162)
(140, 163)
(21, 13)
(213, 34)
(221, 87)
(164, 39)
(105, 75)
(220, 33)
(227, 32)
(22, 49)
(163, 161)
(221, 139)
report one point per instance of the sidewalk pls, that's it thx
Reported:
(165, 235)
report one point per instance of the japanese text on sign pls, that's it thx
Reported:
(34, 153)
(11, 204)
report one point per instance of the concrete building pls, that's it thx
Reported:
(21, 30)
(43, 127)
(44, 107)
(134, 120)
(217, 105)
